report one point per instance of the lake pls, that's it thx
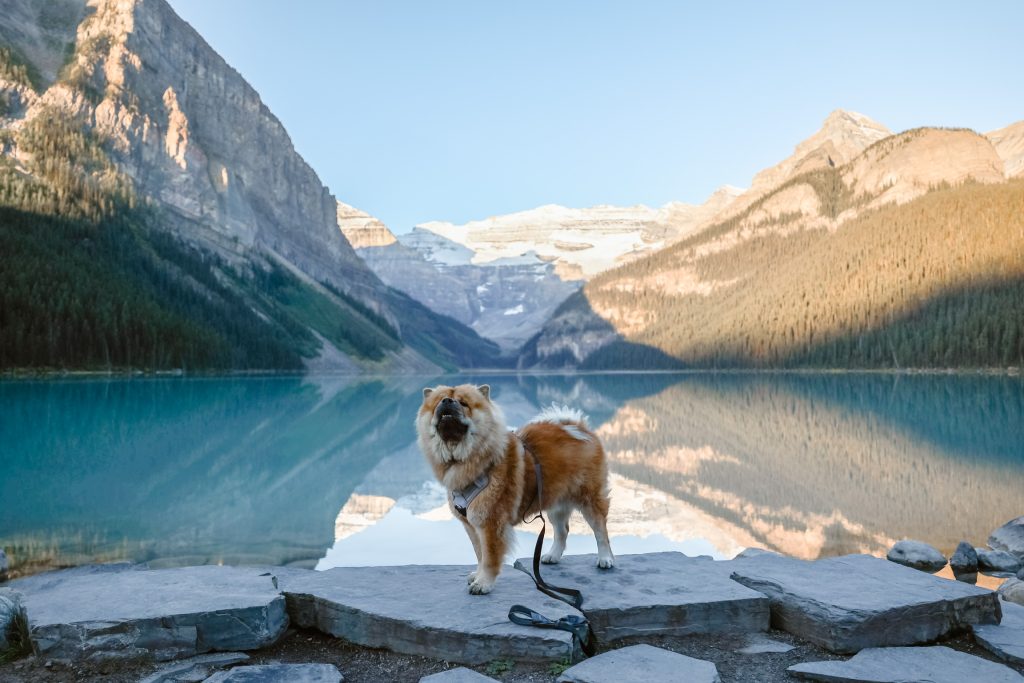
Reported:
(324, 471)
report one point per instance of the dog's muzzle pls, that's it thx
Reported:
(451, 422)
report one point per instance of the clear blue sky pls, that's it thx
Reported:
(425, 110)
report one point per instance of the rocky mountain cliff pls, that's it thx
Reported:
(195, 143)
(840, 263)
(1009, 144)
(506, 300)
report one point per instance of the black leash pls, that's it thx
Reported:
(525, 616)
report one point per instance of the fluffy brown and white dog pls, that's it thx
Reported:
(491, 471)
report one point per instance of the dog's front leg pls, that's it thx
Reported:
(493, 544)
(475, 540)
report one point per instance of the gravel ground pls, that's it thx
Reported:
(360, 664)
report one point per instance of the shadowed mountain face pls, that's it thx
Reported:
(326, 471)
(135, 161)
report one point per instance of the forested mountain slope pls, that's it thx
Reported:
(909, 255)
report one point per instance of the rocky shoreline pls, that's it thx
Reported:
(759, 616)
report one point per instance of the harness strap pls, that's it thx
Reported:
(577, 626)
(463, 497)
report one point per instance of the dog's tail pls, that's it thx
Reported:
(562, 415)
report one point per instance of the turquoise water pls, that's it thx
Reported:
(324, 471)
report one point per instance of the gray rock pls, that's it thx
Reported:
(1005, 640)
(997, 561)
(765, 646)
(427, 610)
(459, 675)
(917, 555)
(641, 663)
(1009, 537)
(13, 625)
(849, 603)
(1012, 590)
(279, 673)
(934, 664)
(964, 560)
(156, 614)
(658, 594)
(195, 669)
(4, 566)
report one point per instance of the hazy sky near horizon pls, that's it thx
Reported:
(418, 111)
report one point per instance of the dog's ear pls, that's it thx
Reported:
(427, 391)
(485, 389)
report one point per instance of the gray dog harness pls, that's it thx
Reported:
(463, 497)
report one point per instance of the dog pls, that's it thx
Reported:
(490, 475)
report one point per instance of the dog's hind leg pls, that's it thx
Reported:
(559, 517)
(596, 513)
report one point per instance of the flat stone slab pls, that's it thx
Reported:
(195, 669)
(1005, 640)
(657, 594)
(849, 603)
(1009, 537)
(766, 646)
(427, 610)
(934, 664)
(279, 673)
(459, 675)
(641, 663)
(155, 614)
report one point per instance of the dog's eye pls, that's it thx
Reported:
(463, 403)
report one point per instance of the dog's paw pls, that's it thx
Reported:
(548, 558)
(471, 577)
(605, 562)
(480, 586)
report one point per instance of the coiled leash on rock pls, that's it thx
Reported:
(524, 616)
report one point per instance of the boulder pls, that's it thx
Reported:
(1012, 590)
(1006, 639)
(278, 673)
(4, 565)
(427, 610)
(964, 559)
(935, 664)
(849, 603)
(641, 663)
(13, 625)
(156, 614)
(657, 594)
(1009, 537)
(917, 555)
(195, 669)
(997, 561)
(459, 675)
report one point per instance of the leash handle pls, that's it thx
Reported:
(577, 626)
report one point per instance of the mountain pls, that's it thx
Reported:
(1009, 144)
(581, 242)
(145, 178)
(909, 253)
(506, 300)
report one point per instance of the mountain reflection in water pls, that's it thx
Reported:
(324, 471)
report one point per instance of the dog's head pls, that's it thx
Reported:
(454, 422)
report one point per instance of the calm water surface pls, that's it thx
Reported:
(324, 471)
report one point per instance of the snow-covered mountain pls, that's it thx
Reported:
(506, 300)
(582, 242)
